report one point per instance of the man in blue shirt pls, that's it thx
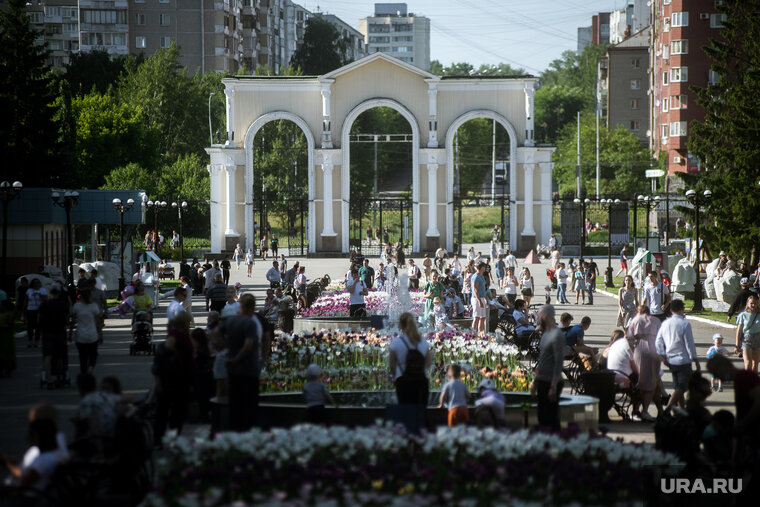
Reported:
(574, 338)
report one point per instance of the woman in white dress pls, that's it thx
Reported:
(249, 261)
(526, 286)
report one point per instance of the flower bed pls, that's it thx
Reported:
(336, 304)
(380, 465)
(358, 360)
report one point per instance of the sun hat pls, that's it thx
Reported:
(486, 383)
(717, 336)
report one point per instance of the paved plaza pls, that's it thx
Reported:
(22, 390)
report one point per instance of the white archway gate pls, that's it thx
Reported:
(329, 104)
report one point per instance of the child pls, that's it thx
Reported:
(441, 319)
(455, 396)
(316, 394)
(719, 349)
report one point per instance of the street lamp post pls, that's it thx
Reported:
(608, 204)
(649, 202)
(158, 207)
(697, 200)
(181, 207)
(8, 192)
(121, 209)
(68, 200)
(582, 203)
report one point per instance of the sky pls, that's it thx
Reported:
(523, 33)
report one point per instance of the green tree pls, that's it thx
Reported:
(475, 156)
(321, 50)
(623, 159)
(110, 135)
(556, 106)
(172, 102)
(132, 176)
(95, 70)
(28, 131)
(567, 86)
(726, 142)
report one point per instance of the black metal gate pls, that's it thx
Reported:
(375, 222)
(284, 218)
(572, 228)
(481, 230)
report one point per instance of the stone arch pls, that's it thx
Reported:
(346, 163)
(461, 120)
(248, 145)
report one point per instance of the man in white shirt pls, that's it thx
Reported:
(273, 275)
(176, 306)
(656, 296)
(552, 242)
(356, 292)
(511, 260)
(675, 345)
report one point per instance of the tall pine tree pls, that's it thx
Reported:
(726, 142)
(28, 131)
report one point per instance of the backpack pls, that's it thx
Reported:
(414, 367)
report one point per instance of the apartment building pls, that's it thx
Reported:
(622, 91)
(395, 31)
(353, 38)
(600, 28)
(57, 22)
(679, 31)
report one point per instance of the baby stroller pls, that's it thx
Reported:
(552, 276)
(142, 334)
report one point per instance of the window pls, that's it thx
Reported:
(678, 101)
(163, 1)
(139, 1)
(69, 12)
(403, 49)
(104, 17)
(665, 78)
(679, 19)
(70, 27)
(52, 11)
(665, 52)
(666, 2)
(713, 77)
(634, 103)
(377, 39)
(379, 28)
(635, 63)
(402, 28)
(140, 42)
(166, 42)
(666, 24)
(664, 130)
(677, 128)
(679, 47)
(635, 84)
(679, 74)
(403, 38)
(164, 19)
(665, 104)
(139, 19)
(36, 18)
(635, 125)
(716, 20)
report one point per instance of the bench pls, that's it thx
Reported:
(166, 272)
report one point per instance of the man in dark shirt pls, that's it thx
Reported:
(367, 274)
(217, 294)
(741, 299)
(54, 317)
(589, 276)
(243, 365)
(592, 265)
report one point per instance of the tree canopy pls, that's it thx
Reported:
(466, 69)
(726, 142)
(29, 130)
(322, 51)
(623, 160)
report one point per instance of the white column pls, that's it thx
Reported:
(528, 206)
(529, 129)
(433, 114)
(326, 127)
(229, 103)
(546, 200)
(216, 209)
(327, 203)
(230, 170)
(432, 230)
